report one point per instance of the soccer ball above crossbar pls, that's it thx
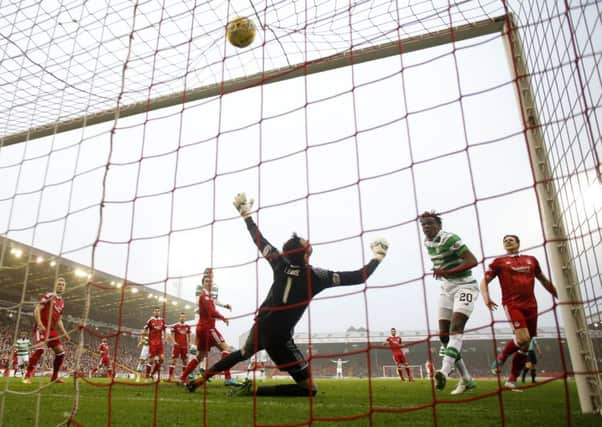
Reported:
(240, 32)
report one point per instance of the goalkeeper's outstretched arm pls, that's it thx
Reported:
(244, 206)
(342, 278)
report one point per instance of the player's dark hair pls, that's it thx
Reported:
(430, 214)
(294, 250)
(511, 235)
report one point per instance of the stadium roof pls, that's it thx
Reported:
(26, 273)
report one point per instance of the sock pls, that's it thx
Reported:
(452, 353)
(56, 366)
(524, 374)
(400, 372)
(448, 364)
(225, 364)
(194, 362)
(147, 370)
(285, 390)
(518, 362)
(32, 362)
(455, 341)
(157, 368)
(510, 347)
(227, 374)
(449, 360)
(409, 373)
(463, 370)
(533, 375)
(444, 339)
(171, 369)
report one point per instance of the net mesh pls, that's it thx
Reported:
(131, 211)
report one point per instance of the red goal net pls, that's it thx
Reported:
(127, 127)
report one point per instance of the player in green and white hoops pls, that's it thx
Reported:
(23, 347)
(452, 264)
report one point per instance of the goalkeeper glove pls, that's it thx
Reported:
(242, 205)
(379, 248)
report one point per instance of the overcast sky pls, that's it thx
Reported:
(340, 157)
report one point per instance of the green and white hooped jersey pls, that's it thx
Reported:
(445, 251)
(23, 345)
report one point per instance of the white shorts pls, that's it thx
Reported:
(457, 296)
(22, 360)
(144, 352)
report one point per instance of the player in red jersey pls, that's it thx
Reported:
(47, 315)
(394, 341)
(180, 334)
(105, 360)
(5, 364)
(154, 329)
(15, 362)
(516, 274)
(207, 335)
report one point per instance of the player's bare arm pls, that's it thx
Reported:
(468, 261)
(63, 330)
(489, 303)
(37, 315)
(546, 283)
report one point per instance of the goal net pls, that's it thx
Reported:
(127, 128)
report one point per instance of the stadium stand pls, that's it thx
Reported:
(354, 346)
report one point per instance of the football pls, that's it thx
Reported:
(240, 32)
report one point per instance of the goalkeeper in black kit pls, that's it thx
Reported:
(296, 282)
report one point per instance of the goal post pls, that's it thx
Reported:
(480, 28)
(582, 355)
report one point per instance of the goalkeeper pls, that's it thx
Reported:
(295, 284)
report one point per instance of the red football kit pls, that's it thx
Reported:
(50, 316)
(206, 334)
(155, 327)
(181, 332)
(516, 274)
(395, 344)
(104, 354)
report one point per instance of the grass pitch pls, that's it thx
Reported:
(348, 402)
